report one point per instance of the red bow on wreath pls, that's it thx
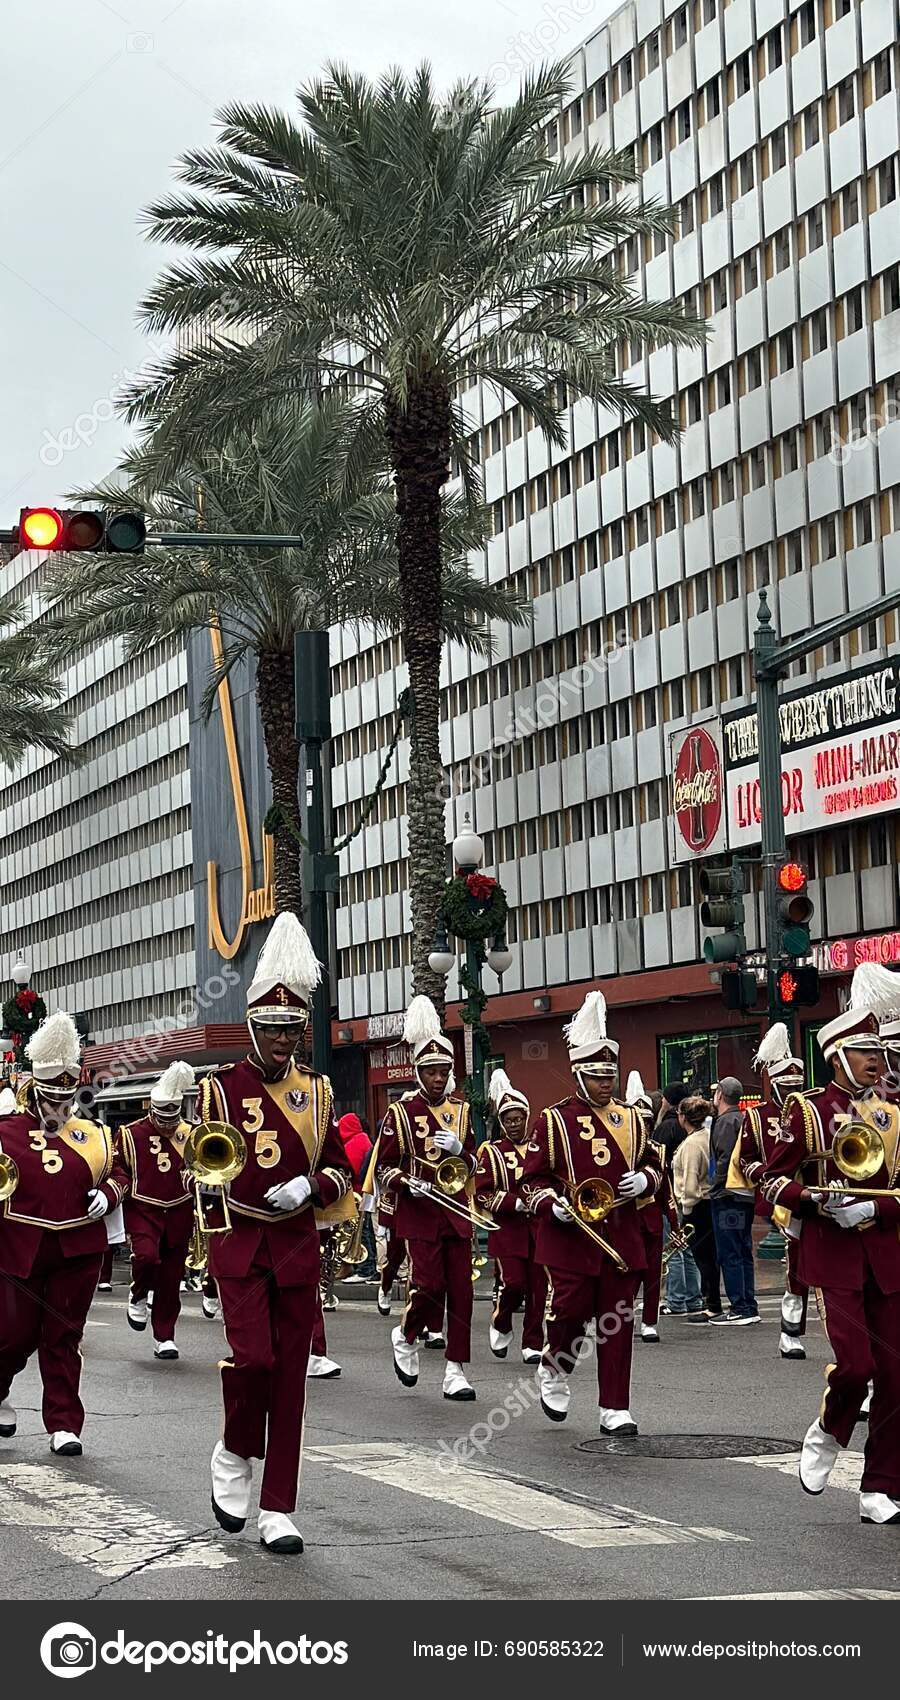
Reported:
(481, 887)
(26, 1000)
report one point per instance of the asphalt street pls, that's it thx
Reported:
(404, 1495)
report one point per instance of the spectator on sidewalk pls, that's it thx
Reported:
(669, 1132)
(690, 1179)
(732, 1208)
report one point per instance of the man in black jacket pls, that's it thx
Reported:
(732, 1211)
(668, 1131)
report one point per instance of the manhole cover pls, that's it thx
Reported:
(690, 1445)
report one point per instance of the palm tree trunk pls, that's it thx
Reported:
(275, 696)
(419, 441)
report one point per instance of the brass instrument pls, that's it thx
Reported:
(196, 1262)
(347, 1240)
(858, 1151)
(451, 1177)
(679, 1240)
(589, 1203)
(9, 1176)
(214, 1154)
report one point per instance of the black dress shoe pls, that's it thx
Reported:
(231, 1525)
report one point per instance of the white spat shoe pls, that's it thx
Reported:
(617, 1422)
(555, 1394)
(456, 1386)
(406, 1358)
(232, 1478)
(817, 1458)
(8, 1421)
(878, 1508)
(65, 1445)
(499, 1343)
(278, 1534)
(322, 1369)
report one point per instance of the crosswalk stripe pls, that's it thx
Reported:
(91, 1527)
(501, 1499)
(811, 1594)
(847, 1472)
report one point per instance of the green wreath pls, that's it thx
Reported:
(474, 907)
(22, 1015)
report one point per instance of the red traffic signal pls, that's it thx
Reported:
(791, 877)
(798, 988)
(787, 988)
(40, 528)
(79, 530)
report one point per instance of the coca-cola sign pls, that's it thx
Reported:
(697, 791)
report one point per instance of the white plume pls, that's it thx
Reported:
(287, 958)
(500, 1087)
(875, 988)
(774, 1047)
(8, 1105)
(635, 1090)
(171, 1086)
(55, 1047)
(422, 1022)
(588, 1027)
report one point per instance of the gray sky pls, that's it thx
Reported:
(100, 97)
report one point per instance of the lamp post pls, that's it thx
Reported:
(468, 851)
(21, 972)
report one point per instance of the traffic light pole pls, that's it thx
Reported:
(312, 698)
(771, 662)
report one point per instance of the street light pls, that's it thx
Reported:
(21, 971)
(468, 851)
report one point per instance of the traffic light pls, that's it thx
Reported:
(723, 906)
(59, 529)
(798, 988)
(793, 908)
(739, 989)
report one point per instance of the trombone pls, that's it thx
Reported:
(451, 1177)
(858, 1152)
(214, 1154)
(588, 1204)
(9, 1176)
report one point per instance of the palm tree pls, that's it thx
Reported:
(32, 713)
(421, 244)
(301, 471)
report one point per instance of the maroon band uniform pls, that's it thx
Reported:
(574, 1141)
(159, 1216)
(51, 1254)
(855, 1270)
(499, 1189)
(760, 1136)
(438, 1243)
(267, 1268)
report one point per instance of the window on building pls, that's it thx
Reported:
(882, 74)
(746, 172)
(807, 22)
(846, 101)
(774, 50)
(743, 74)
(750, 271)
(811, 130)
(778, 152)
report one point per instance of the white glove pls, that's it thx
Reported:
(418, 1187)
(98, 1204)
(290, 1195)
(521, 1206)
(448, 1142)
(561, 1213)
(633, 1183)
(850, 1215)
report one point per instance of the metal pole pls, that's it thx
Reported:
(475, 965)
(774, 838)
(312, 691)
(223, 540)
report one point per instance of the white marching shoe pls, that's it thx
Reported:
(8, 1421)
(65, 1445)
(817, 1458)
(499, 1343)
(878, 1508)
(790, 1347)
(278, 1534)
(166, 1350)
(455, 1384)
(530, 1355)
(383, 1301)
(210, 1308)
(232, 1478)
(555, 1394)
(406, 1358)
(866, 1405)
(649, 1333)
(138, 1311)
(616, 1422)
(322, 1369)
(104, 1286)
(433, 1342)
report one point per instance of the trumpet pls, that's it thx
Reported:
(9, 1177)
(679, 1240)
(214, 1154)
(451, 1177)
(858, 1152)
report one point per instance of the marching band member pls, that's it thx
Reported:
(590, 1137)
(267, 1267)
(52, 1236)
(781, 1075)
(498, 1189)
(652, 1217)
(418, 1132)
(159, 1209)
(850, 1251)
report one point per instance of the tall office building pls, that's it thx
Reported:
(772, 126)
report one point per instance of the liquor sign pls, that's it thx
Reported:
(841, 956)
(390, 1063)
(385, 1026)
(698, 791)
(841, 755)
